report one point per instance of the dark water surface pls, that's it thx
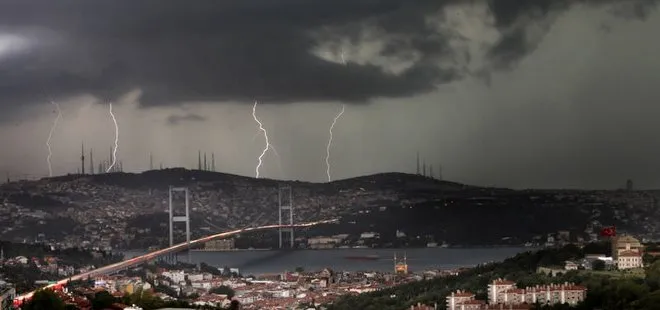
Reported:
(274, 261)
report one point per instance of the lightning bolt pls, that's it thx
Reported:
(261, 127)
(327, 149)
(334, 122)
(50, 136)
(114, 151)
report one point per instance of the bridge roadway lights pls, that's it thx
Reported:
(149, 256)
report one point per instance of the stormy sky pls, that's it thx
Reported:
(542, 93)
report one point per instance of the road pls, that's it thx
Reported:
(153, 255)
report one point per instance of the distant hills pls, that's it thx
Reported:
(424, 211)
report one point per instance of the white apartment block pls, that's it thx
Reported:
(505, 295)
(456, 299)
(629, 260)
(497, 289)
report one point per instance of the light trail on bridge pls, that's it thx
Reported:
(150, 256)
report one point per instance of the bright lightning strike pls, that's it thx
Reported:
(114, 151)
(261, 127)
(50, 136)
(327, 149)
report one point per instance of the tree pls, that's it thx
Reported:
(102, 300)
(44, 300)
(235, 305)
(598, 265)
(300, 269)
(223, 290)
(652, 278)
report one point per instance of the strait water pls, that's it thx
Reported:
(273, 261)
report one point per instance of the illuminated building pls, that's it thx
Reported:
(401, 266)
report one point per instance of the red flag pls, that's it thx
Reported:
(608, 231)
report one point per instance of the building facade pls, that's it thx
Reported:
(503, 294)
(627, 252)
(629, 260)
(456, 300)
(625, 243)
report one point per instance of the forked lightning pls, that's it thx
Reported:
(50, 136)
(114, 151)
(261, 127)
(327, 149)
(334, 122)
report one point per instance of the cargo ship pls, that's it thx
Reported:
(362, 257)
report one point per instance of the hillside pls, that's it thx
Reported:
(129, 210)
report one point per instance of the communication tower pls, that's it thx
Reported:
(180, 218)
(285, 201)
(82, 158)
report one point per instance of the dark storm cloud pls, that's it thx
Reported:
(176, 119)
(207, 50)
(512, 17)
(229, 50)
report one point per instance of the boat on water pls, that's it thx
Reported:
(362, 257)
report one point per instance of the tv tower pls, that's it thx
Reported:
(213, 162)
(91, 161)
(206, 167)
(82, 158)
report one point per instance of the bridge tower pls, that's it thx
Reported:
(285, 201)
(180, 218)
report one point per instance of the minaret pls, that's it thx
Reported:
(424, 168)
(91, 161)
(82, 158)
(418, 163)
(199, 160)
(206, 167)
(395, 262)
(213, 162)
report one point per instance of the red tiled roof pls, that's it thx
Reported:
(503, 282)
(473, 302)
(462, 294)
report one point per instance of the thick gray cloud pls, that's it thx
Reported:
(207, 50)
